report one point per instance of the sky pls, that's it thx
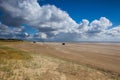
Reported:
(60, 20)
(88, 9)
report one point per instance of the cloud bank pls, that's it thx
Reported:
(51, 23)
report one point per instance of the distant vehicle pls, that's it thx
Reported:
(34, 41)
(63, 43)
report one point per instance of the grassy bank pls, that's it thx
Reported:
(10, 60)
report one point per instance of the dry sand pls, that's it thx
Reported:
(105, 57)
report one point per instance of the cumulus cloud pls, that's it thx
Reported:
(51, 23)
(46, 18)
(14, 33)
(98, 26)
(114, 33)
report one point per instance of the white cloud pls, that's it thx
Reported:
(47, 18)
(11, 32)
(100, 25)
(114, 32)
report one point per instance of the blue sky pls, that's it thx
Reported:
(88, 9)
(60, 20)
